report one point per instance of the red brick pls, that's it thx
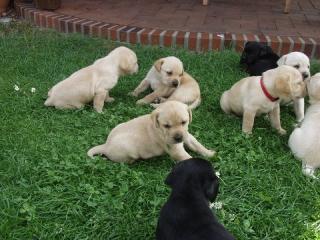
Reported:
(167, 38)
(216, 42)
(112, 32)
(155, 37)
(274, 43)
(285, 45)
(180, 39)
(78, 25)
(239, 43)
(192, 43)
(144, 36)
(204, 41)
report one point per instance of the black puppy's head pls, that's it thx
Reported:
(253, 51)
(194, 176)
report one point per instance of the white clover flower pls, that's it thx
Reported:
(16, 87)
(218, 174)
(33, 90)
(216, 205)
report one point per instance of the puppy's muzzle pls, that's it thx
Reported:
(178, 137)
(175, 83)
(305, 75)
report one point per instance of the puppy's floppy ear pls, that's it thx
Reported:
(190, 114)
(211, 189)
(154, 118)
(158, 64)
(265, 50)
(282, 60)
(283, 84)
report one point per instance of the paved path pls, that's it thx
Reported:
(234, 16)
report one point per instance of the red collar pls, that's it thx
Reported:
(265, 91)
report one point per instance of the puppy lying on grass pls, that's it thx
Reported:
(94, 82)
(164, 130)
(304, 141)
(168, 81)
(253, 96)
(186, 215)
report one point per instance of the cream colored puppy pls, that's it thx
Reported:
(304, 141)
(253, 96)
(301, 62)
(94, 82)
(187, 92)
(165, 130)
(168, 80)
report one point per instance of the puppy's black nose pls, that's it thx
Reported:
(178, 137)
(305, 75)
(175, 83)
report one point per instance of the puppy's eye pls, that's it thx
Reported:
(167, 126)
(169, 73)
(296, 66)
(183, 122)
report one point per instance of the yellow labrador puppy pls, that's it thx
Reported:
(165, 130)
(167, 79)
(301, 62)
(253, 96)
(94, 82)
(304, 141)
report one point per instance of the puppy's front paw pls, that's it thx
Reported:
(133, 94)
(247, 132)
(109, 100)
(141, 102)
(209, 153)
(282, 131)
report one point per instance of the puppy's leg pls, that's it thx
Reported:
(299, 109)
(160, 92)
(108, 99)
(248, 121)
(308, 171)
(177, 152)
(144, 84)
(275, 120)
(193, 144)
(98, 100)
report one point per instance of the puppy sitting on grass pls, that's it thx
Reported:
(165, 130)
(94, 82)
(304, 141)
(168, 81)
(253, 96)
(186, 215)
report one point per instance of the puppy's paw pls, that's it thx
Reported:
(209, 153)
(141, 102)
(247, 132)
(109, 100)
(132, 94)
(154, 105)
(281, 131)
(99, 110)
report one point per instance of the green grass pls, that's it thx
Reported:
(50, 189)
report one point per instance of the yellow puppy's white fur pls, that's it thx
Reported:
(246, 98)
(94, 82)
(304, 141)
(165, 130)
(168, 81)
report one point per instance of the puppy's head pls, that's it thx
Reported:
(170, 69)
(298, 60)
(172, 118)
(313, 86)
(253, 51)
(194, 176)
(289, 83)
(128, 62)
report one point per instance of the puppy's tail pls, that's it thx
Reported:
(100, 149)
(224, 103)
(195, 104)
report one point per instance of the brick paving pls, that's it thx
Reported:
(188, 24)
(235, 16)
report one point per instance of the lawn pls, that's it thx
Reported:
(50, 189)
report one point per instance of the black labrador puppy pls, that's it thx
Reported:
(186, 215)
(257, 58)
